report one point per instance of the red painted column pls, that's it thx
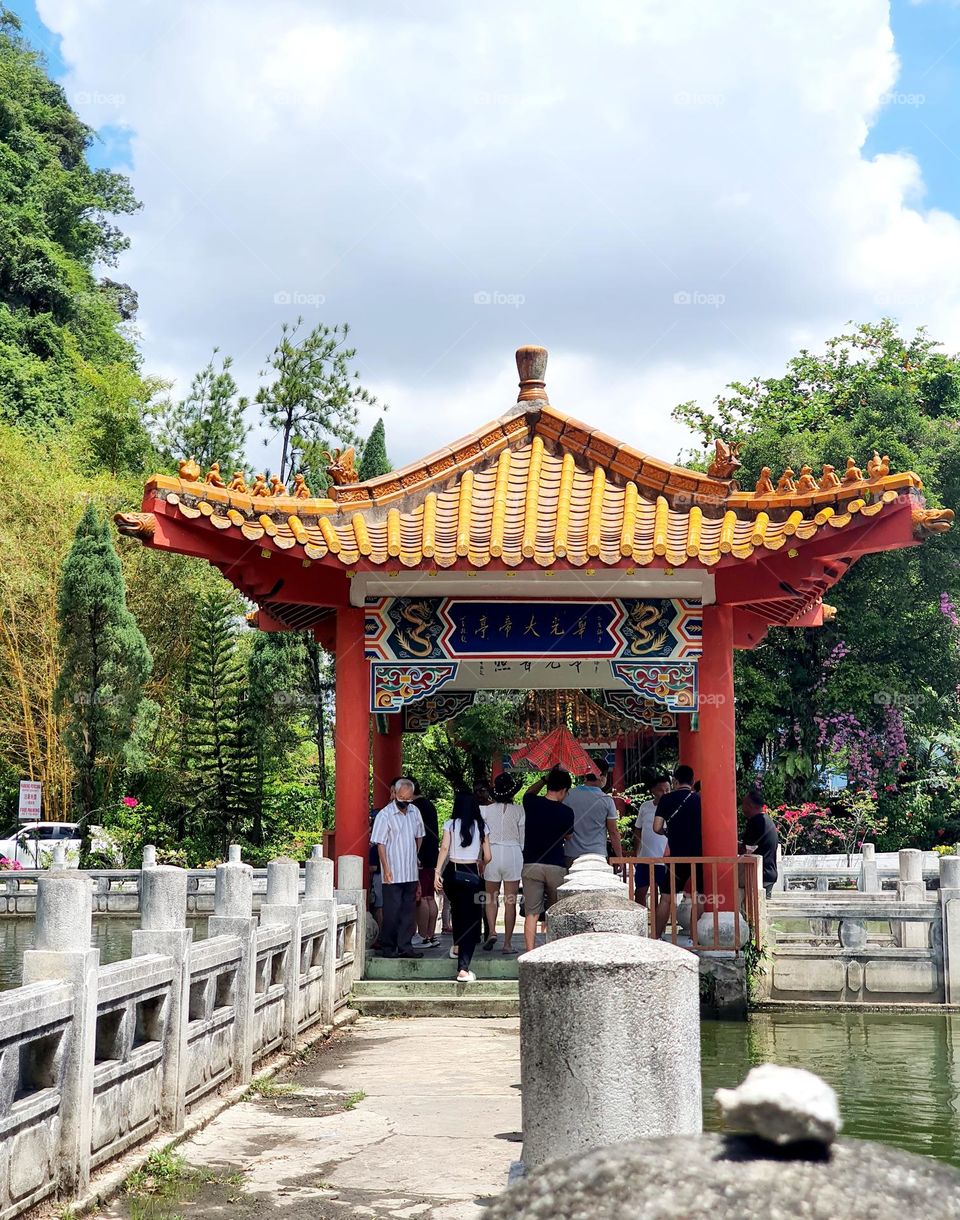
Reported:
(496, 764)
(387, 758)
(352, 735)
(717, 747)
(688, 744)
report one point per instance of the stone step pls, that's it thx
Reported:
(453, 1005)
(494, 965)
(435, 989)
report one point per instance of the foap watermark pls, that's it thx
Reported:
(488, 297)
(694, 297)
(312, 300)
(902, 99)
(692, 97)
(897, 698)
(93, 97)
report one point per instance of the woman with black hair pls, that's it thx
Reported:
(464, 850)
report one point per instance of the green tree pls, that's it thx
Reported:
(461, 750)
(104, 659)
(217, 748)
(374, 460)
(110, 419)
(314, 394)
(844, 696)
(56, 224)
(209, 424)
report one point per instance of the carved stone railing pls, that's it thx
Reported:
(95, 1059)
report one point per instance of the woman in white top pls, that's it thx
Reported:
(505, 830)
(648, 844)
(464, 852)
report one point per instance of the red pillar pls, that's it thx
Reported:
(717, 747)
(496, 764)
(352, 736)
(387, 758)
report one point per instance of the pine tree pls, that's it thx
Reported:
(374, 461)
(216, 746)
(104, 659)
(209, 423)
(315, 394)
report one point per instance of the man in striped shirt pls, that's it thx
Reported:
(398, 832)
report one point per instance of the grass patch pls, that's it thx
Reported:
(167, 1181)
(352, 1100)
(268, 1088)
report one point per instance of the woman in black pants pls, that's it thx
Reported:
(464, 850)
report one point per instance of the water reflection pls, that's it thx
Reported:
(111, 935)
(897, 1074)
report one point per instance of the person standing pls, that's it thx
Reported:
(429, 850)
(505, 825)
(548, 823)
(398, 833)
(650, 845)
(760, 836)
(464, 851)
(678, 817)
(594, 818)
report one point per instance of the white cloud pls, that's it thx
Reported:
(589, 168)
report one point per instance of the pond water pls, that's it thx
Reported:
(111, 935)
(897, 1074)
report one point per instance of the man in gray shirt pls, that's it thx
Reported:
(594, 817)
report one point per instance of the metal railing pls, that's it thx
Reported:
(738, 873)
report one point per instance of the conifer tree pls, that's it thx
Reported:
(216, 746)
(104, 659)
(374, 461)
(209, 423)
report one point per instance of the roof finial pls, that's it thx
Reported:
(532, 367)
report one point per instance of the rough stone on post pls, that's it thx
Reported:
(582, 1000)
(64, 913)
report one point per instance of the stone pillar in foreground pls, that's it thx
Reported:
(63, 952)
(950, 911)
(282, 907)
(318, 898)
(609, 1044)
(163, 929)
(910, 888)
(233, 916)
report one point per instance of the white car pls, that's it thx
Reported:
(31, 845)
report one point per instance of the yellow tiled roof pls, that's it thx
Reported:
(534, 487)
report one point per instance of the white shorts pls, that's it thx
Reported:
(506, 862)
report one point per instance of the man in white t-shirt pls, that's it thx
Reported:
(648, 844)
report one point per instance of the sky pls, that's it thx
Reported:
(667, 194)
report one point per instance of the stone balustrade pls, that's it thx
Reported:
(867, 870)
(869, 945)
(95, 1059)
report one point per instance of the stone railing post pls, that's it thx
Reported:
(318, 896)
(950, 914)
(910, 888)
(62, 952)
(780, 885)
(869, 879)
(282, 908)
(233, 916)
(163, 930)
(350, 890)
(149, 856)
(582, 1000)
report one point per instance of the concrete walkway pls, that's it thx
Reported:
(399, 1118)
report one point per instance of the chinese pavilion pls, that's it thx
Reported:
(537, 553)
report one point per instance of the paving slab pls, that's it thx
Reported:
(401, 1118)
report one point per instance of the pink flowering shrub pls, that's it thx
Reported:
(10, 865)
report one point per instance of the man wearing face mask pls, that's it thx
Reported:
(398, 832)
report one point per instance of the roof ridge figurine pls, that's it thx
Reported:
(878, 467)
(806, 482)
(300, 489)
(785, 484)
(214, 477)
(726, 461)
(764, 483)
(853, 473)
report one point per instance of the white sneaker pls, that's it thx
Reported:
(466, 976)
(453, 953)
(416, 941)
